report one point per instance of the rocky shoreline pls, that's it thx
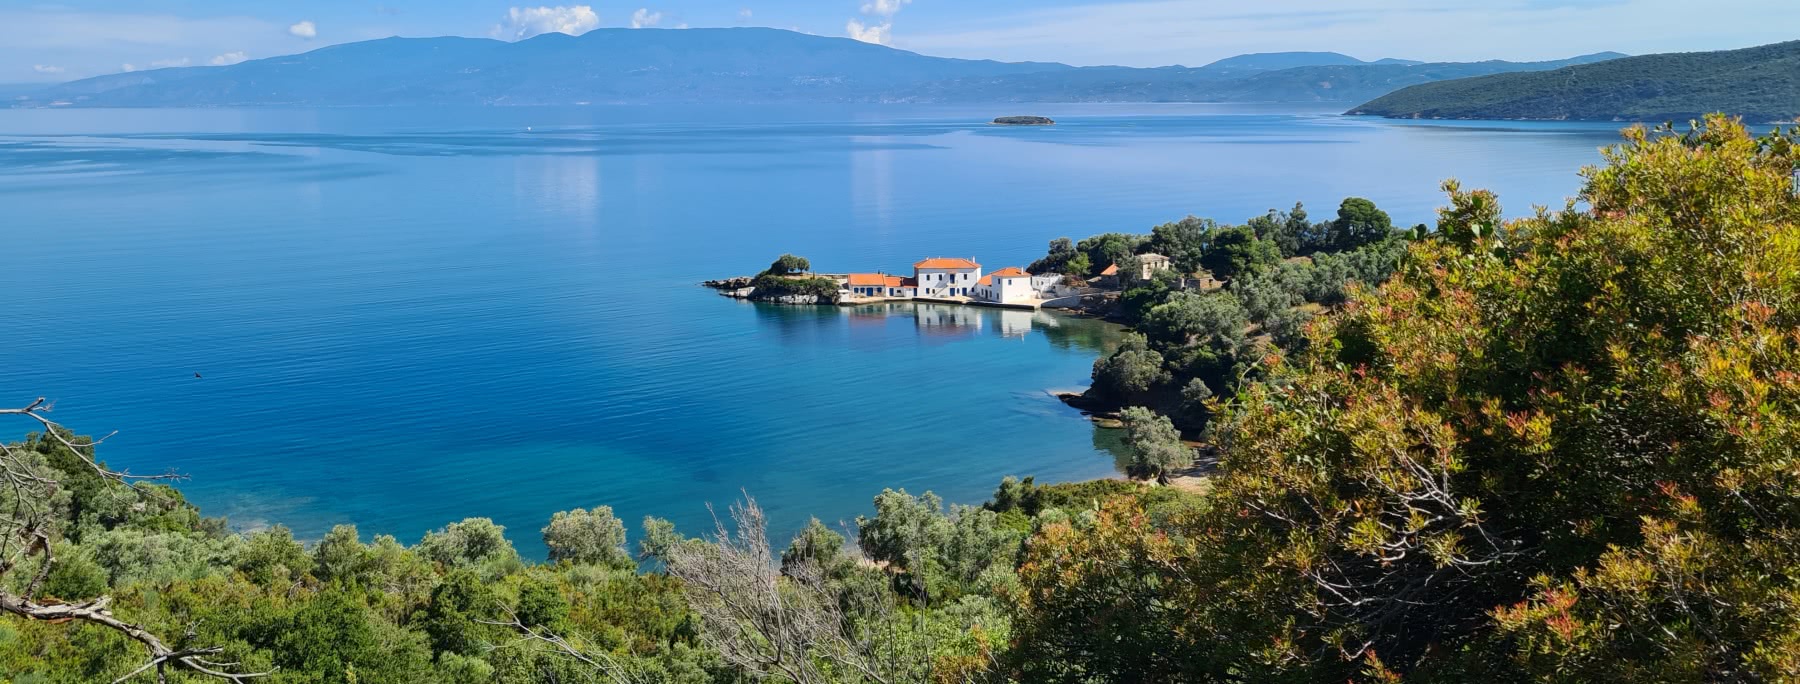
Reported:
(743, 287)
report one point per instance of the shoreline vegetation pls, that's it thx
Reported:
(1555, 448)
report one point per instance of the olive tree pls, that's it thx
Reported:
(1155, 444)
(586, 536)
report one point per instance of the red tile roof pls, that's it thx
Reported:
(947, 262)
(1111, 270)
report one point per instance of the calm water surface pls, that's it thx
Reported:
(407, 317)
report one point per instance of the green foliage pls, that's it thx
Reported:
(341, 556)
(904, 530)
(272, 555)
(1156, 446)
(1194, 396)
(584, 536)
(788, 264)
(769, 285)
(1554, 451)
(474, 542)
(1190, 318)
(1289, 230)
(1107, 249)
(1759, 83)
(1078, 266)
(1236, 251)
(1359, 223)
(1131, 370)
(1184, 242)
(818, 546)
(74, 578)
(541, 605)
(453, 619)
(331, 638)
(1057, 259)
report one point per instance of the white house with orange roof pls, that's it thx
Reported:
(946, 277)
(880, 285)
(1005, 285)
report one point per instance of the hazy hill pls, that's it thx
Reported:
(1325, 83)
(1271, 61)
(726, 65)
(1760, 84)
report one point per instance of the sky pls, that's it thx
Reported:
(70, 39)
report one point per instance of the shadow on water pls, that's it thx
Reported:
(1112, 441)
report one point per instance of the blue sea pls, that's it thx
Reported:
(400, 318)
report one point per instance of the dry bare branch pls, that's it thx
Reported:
(25, 534)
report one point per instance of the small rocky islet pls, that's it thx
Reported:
(1024, 121)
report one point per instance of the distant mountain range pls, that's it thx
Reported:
(1762, 84)
(736, 65)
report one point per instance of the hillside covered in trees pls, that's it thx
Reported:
(1560, 448)
(1761, 84)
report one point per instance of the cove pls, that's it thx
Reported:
(406, 317)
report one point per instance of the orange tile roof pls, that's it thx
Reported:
(868, 279)
(1008, 272)
(946, 262)
(1111, 270)
(894, 281)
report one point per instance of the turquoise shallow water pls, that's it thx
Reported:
(406, 317)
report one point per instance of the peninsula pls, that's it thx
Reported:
(1024, 121)
(1758, 84)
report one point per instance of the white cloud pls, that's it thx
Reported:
(525, 22)
(745, 14)
(162, 63)
(884, 8)
(228, 58)
(878, 34)
(90, 43)
(681, 25)
(46, 68)
(644, 17)
(304, 29)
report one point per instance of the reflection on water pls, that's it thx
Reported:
(938, 323)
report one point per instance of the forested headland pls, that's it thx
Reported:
(1761, 84)
(1555, 448)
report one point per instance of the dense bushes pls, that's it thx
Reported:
(1197, 342)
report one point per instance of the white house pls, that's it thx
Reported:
(946, 277)
(867, 284)
(1005, 285)
(880, 285)
(902, 287)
